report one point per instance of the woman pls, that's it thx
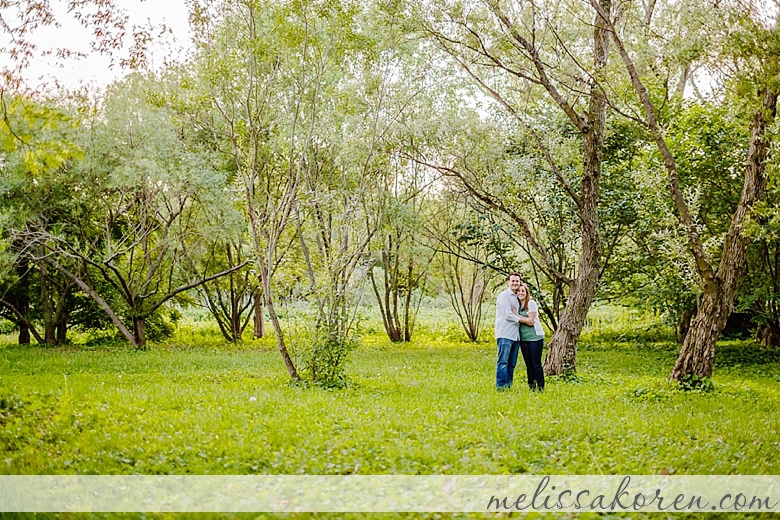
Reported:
(531, 338)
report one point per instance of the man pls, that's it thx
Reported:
(507, 332)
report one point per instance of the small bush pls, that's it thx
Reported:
(694, 383)
(326, 360)
(7, 327)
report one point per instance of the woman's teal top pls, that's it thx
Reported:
(527, 332)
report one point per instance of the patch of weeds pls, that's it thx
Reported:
(694, 383)
(9, 405)
(587, 376)
(339, 384)
(569, 375)
(104, 339)
(734, 354)
(660, 391)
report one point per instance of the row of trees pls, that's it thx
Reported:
(327, 151)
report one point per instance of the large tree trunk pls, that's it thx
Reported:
(49, 324)
(717, 302)
(24, 334)
(562, 353)
(698, 350)
(235, 316)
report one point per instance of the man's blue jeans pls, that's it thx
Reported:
(507, 359)
(532, 355)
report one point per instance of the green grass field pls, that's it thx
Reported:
(199, 406)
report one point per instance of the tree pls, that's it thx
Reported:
(341, 205)
(230, 299)
(462, 258)
(399, 276)
(507, 49)
(37, 150)
(718, 283)
(269, 70)
(144, 194)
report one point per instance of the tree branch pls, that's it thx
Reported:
(703, 267)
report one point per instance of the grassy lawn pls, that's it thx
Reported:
(425, 408)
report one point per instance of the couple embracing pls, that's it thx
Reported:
(518, 329)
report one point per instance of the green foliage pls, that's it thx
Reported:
(650, 265)
(162, 324)
(6, 327)
(36, 130)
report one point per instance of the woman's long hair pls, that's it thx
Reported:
(524, 300)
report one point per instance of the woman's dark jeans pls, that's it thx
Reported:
(532, 355)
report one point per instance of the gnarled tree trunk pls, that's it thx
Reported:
(717, 302)
(719, 287)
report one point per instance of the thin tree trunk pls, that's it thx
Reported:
(22, 300)
(288, 362)
(97, 299)
(717, 302)
(384, 306)
(408, 304)
(49, 324)
(61, 313)
(235, 316)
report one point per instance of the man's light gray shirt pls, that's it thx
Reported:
(507, 322)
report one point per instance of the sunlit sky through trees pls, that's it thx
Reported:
(167, 21)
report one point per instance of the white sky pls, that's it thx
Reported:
(98, 70)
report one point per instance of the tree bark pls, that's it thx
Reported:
(49, 324)
(139, 331)
(259, 322)
(22, 300)
(717, 302)
(24, 334)
(62, 330)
